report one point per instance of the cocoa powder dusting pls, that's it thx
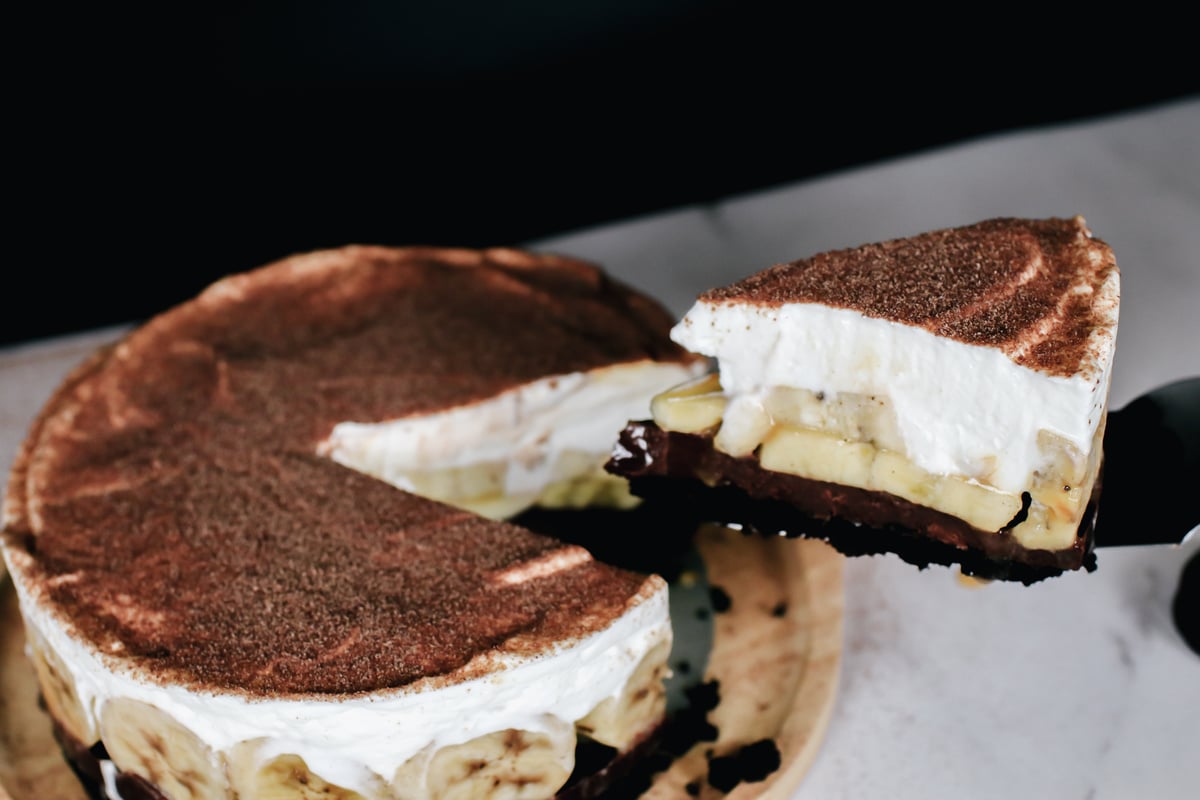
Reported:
(1023, 286)
(177, 514)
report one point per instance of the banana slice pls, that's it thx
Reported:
(745, 425)
(408, 783)
(817, 455)
(692, 407)
(622, 720)
(61, 699)
(595, 488)
(506, 765)
(143, 740)
(287, 777)
(255, 776)
(451, 484)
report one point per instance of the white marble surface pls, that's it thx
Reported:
(1078, 687)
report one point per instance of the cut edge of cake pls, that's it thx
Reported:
(962, 371)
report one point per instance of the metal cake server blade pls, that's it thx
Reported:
(1151, 480)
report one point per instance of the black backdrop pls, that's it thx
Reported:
(160, 149)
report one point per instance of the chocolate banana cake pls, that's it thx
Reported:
(233, 586)
(942, 396)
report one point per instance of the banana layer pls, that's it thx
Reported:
(854, 440)
(541, 443)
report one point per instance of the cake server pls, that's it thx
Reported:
(1152, 469)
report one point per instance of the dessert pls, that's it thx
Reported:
(943, 396)
(217, 607)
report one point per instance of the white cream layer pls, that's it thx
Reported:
(962, 409)
(528, 428)
(347, 741)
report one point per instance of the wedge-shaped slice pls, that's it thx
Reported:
(952, 385)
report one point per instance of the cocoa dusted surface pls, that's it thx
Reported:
(169, 502)
(685, 472)
(1002, 283)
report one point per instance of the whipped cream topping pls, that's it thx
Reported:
(535, 430)
(961, 408)
(361, 739)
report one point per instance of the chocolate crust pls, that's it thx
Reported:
(168, 504)
(1027, 287)
(685, 473)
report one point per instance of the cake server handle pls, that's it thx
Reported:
(1151, 481)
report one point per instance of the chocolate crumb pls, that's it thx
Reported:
(690, 725)
(751, 764)
(721, 600)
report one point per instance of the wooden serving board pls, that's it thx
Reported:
(777, 672)
(775, 655)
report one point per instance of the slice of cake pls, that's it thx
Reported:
(216, 607)
(945, 394)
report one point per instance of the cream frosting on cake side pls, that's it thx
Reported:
(366, 742)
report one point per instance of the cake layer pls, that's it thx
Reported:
(979, 341)
(608, 685)
(686, 473)
(957, 375)
(543, 441)
(1039, 291)
(186, 558)
(851, 440)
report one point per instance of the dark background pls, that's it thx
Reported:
(161, 149)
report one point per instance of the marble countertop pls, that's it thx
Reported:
(1078, 687)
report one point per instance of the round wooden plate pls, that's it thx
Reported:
(775, 654)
